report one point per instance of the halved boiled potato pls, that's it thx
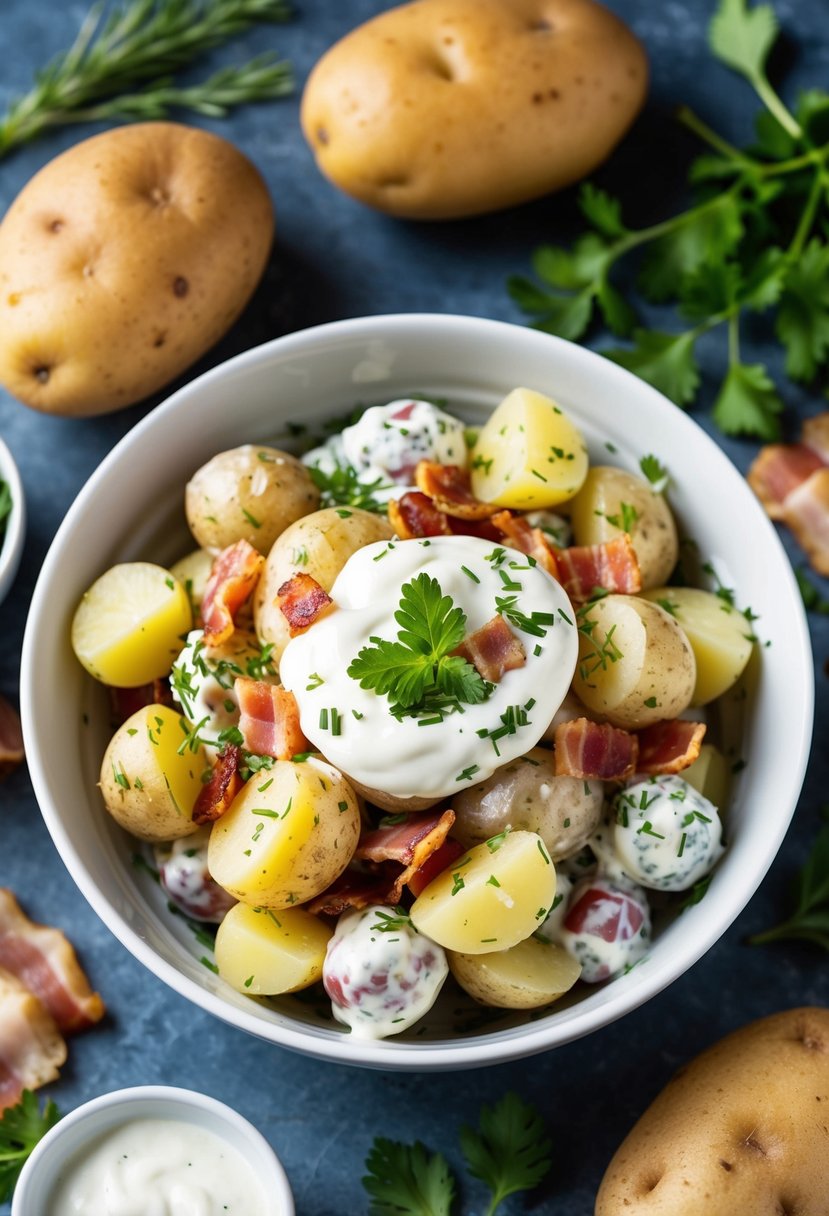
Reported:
(287, 835)
(528, 455)
(150, 786)
(710, 775)
(193, 571)
(613, 501)
(491, 898)
(263, 952)
(128, 628)
(719, 634)
(527, 976)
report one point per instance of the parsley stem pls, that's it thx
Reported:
(689, 119)
(734, 338)
(807, 219)
(773, 103)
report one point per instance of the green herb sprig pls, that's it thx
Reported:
(341, 487)
(754, 241)
(21, 1127)
(147, 40)
(810, 919)
(509, 1153)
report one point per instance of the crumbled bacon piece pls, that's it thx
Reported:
(124, 702)
(233, 577)
(414, 515)
(806, 512)
(214, 798)
(448, 487)
(792, 482)
(520, 535)
(353, 889)
(435, 864)
(492, 650)
(778, 469)
(43, 960)
(11, 738)
(269, 719)
(32, 1048)
(302, 601)
(595, 751)
(669, 747)
(612, 565)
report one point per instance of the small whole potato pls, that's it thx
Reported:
(250, 493)
(122, 261)
(613, 501)
(446, 108)
(740, 1131)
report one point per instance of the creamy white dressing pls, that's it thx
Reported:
(182, 869)
(606, 926)
(381, 974)
(158, 1167)
(409, 756)
(665, 834)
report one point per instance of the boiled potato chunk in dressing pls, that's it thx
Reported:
(719, 634)
(527, 976)
(493, 897)
(263, 952)
(613, 501)
(529, 455)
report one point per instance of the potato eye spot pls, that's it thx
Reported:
(42, 373)
(159, 197)
(726, 1165)
(322, 136)
(393, 182)
(55, 225)
(88, 271)
(159, 340)
(649, 1182)
(541, 26)
(180, 286)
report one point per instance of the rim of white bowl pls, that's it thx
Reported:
(14, 535)
(137, 1101)
(720, 908)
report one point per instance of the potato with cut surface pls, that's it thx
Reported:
(710, 774)
(263, 952)
(526, 794)
(528, 455)
(491, 898)
(287, 835)
(124, 260)
(318, 544)
(148, 786)
(529, 975)
(636, 665)
(445, 108)
(250, 493)
(740, 1131)
(720, 636)
(613, 501)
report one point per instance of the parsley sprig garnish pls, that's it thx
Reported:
(509, 1153)
(754, 240)
(342, 487)
(21, 1127)
(418, 670)
(810, 919)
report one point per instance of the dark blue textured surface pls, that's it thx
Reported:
(333, 259)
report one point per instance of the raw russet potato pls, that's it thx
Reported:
(122, 261)
(742, 1130)
(446, 108)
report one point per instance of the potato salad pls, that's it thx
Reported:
(422, 708)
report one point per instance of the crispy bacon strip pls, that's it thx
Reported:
(613, 566)
(669, 747)
(11, 738)
(302, 601)
(595, 751)
(269, 719)
(492, 650)
(44, 961)
(806, 512)
(435, 864)
(353, 889)
(778, 469)
(410, 841)
(32, 1048)
(448, 487)
(214, 798)
(520, 535)
(233, 578)
(414, 515)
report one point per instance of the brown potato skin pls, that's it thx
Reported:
(122, 261)
(445, 108)
(741, 1131)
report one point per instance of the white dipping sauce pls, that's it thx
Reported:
(158, 1167)
(407, 756)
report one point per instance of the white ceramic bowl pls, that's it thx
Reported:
(132, 506)
(14, 532)
(79, 1130)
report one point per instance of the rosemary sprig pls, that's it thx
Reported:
(147, 40)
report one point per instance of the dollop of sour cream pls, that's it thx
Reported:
(432, 756)
(158, 1167)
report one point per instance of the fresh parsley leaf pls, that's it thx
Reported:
(666, 361)
(803, 315)
(748, 403)
(618, 314)
(602, 210)
(655, 472)
(742, 37)
(705, 236)
(406, 1180)
(510, 1151)
(342, 488)
(21, 1127)
(419, 662)
(810, 919)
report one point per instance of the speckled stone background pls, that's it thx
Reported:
(336, 259)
